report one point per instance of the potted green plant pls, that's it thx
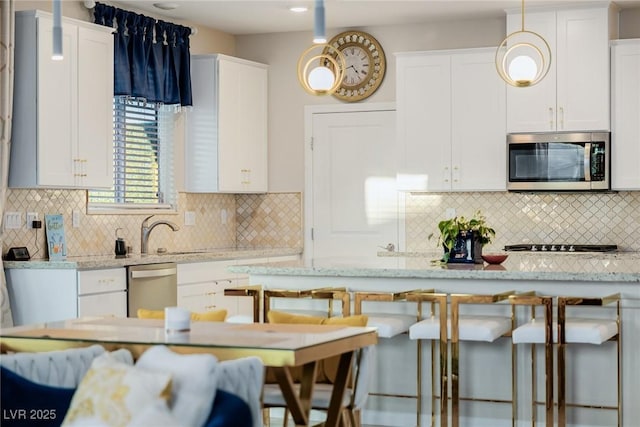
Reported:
(462, 239)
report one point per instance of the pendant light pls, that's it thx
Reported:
(57, 31)
(523, 58)
(321, 66)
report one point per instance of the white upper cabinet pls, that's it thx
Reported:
(574, 96)
(62, 127)
(451, 121)
(625, 128)
(226, 131)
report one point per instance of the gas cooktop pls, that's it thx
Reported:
(557, 247)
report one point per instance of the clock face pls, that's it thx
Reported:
(365, 65)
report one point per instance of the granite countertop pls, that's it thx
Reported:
(592, 267)
(110, 261)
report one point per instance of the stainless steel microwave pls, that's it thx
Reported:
(576, 161)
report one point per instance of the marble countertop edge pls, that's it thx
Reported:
(110, 261)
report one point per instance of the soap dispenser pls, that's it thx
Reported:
(121, 245)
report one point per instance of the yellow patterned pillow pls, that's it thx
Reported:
(208, 316)
(112, 393)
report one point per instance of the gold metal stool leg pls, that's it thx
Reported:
(439, 300)
(374, 296)
(532, 300)
(456, 301)
(563, 302)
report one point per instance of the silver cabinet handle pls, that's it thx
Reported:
(551, 118)
(561, 117)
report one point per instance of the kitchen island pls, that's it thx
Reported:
(584, 274)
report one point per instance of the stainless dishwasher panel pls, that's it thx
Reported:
(152, 286)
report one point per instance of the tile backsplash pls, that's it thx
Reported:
(275, 220)
(584, 218)
(221, 221)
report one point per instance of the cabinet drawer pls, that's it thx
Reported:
(98, 281)
(204, 271)
(110, 304)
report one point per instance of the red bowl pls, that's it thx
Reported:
(494, 258)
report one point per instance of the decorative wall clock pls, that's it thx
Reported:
(366, 65)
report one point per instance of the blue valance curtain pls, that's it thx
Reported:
(151, 57)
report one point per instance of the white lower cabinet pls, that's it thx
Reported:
(47, 295)
(625, 129)
(102, 292)
(201, 286)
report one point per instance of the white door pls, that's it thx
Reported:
(354, 196)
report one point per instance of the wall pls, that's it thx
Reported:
(591, 218)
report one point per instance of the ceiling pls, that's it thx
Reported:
(238, 17)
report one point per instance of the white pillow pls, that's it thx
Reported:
(194, 379)
(112, 393)
(156, 414)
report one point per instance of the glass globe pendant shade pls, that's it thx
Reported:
(321, 78)
(320, 73)
(523, 69)
(523, 59)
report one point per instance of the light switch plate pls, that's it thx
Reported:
(12, 220)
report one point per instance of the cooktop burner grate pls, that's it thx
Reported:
(559, 247)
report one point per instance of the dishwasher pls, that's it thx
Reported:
(151, 286)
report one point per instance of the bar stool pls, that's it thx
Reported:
(328, 293)
(390, 325)
(478, 328)
(434, 329)
(252, 291)
(587, 331)
(544, 333)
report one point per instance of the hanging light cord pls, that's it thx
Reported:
(523, 15)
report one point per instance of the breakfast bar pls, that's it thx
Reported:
(566, 274)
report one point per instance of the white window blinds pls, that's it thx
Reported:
(142, 158)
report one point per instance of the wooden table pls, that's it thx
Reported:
(279, 346)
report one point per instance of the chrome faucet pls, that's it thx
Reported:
(145, 231)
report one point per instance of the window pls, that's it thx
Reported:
(142, 159)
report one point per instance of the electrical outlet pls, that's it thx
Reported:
(31, 216)
(223, 216)
(189, 218)
(75, 219)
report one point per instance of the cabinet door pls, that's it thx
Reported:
(582, 57)
(478, 142)
(95, 117)
(57, 121)
(242, 126)
(424, 120)
(625, 129)
(533, 109)
(201, 124)
(109, 304)
(196, 297)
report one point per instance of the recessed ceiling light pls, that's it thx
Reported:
(298, 9)
(166, 5)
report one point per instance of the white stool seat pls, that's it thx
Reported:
(585, 331)
(471, 328)
(390, 325)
